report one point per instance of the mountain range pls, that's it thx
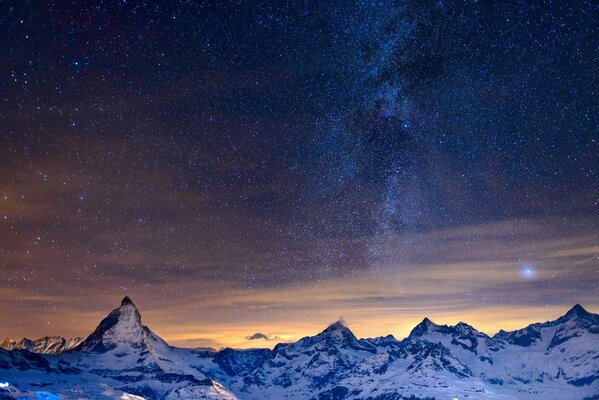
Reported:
(123, 359)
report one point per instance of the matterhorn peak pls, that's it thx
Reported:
(127, 301)
(127, 313)
(122, 325)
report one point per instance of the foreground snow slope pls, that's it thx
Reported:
(123, 359)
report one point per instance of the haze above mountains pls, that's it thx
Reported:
(123, 359)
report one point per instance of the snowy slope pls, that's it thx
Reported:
(45, 345)
(435, 361)
(123, 359)
(335, 364)
(122, 356)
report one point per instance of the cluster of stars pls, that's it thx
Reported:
(262, 144)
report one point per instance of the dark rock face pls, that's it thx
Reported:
(525, 337)
(23, 360)
(335, 393)
(427, 326)
(235, 362)
(570, 325)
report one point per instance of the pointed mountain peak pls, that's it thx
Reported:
(336, 333)
(577, 311)
(340, 325)
(122, 325)
(428, 326)
(127, 302)
(335, 336)
(339, 332)
(425, 326)
(127, 312)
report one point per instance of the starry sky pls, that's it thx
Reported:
(250, 171)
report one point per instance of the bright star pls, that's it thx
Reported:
(528, 271)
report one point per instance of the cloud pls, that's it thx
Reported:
(261, 336)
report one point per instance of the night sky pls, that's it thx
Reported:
(251, 171)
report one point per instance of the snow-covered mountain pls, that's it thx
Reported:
(45, 345)
(123, 359)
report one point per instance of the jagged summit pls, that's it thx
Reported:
(427, 323)
(338, 332)
(423, 327)
(338, 325)
(335, 336)
(122, 325)
(44, 345)
(339, 335)
(464, 327)
(427, 327)
(579, 316)
(577, 311)
(127, 301)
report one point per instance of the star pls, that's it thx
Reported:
(528, 271)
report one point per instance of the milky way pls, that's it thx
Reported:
(391, 159)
